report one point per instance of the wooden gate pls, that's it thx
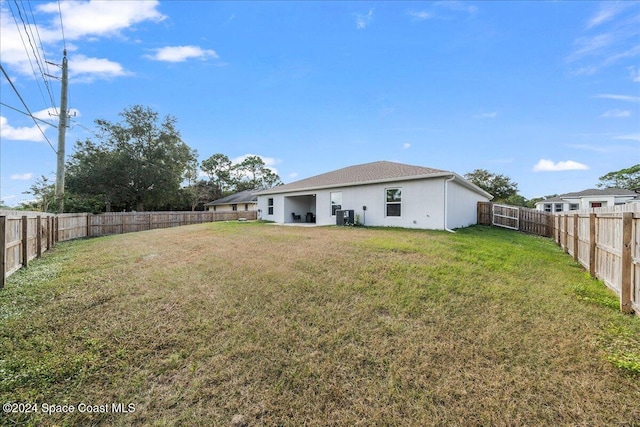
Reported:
(505, 216)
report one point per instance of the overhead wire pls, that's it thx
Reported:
(35, 54)
(27, 114)
(26, 107)
(45, 62)
(64, 41)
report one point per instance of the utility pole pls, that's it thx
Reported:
(62, 129)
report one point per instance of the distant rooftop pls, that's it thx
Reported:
(247, 196)
(592, 192)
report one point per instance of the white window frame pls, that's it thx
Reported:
(387, 202)
(337, 206)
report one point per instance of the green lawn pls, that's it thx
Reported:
(318, 326)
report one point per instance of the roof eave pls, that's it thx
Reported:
(442, 174)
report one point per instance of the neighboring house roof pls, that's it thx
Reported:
(247, 196)
(369, 173)
(591, 192)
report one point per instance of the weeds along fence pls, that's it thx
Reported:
(27, 235)
(606, 241)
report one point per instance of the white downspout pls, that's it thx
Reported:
(446, 203)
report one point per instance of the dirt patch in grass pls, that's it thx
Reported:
(316, 326)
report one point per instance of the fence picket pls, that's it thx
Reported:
(21, 233)
(605, 241)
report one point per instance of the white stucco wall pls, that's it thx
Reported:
(585, 202)
(462, 205)
(229, 208)
(422, 205)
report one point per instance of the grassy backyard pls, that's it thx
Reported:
(316, 326)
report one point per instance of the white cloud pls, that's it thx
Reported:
(610, 37)
(616, 113)
(608, 10)
(406, 145)
(457, 6)
(293, 175)
(626, 98)
(631, 137)
(593, 45)
(182, 53)
(86, 69)
(635, 74)
(83, 21)
(25, 133)
(491, 115)
(363, 20)
(420, 15)
(545, 165)
(21, 176)
(100, 18)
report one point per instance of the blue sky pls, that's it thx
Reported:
(547, 93)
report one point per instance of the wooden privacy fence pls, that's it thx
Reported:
(607, 243)
(517, 218)
(26, 235)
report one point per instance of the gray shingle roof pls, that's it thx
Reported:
(367, 173)
(590, 192)
(247, 196)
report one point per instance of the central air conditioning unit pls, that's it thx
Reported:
(344, 217)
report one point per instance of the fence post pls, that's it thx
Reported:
(89, 214)
(592, 244)
(25, 241)
(39, 236)
(576, 240)
(3, 250)
(49, 232)
(625, 289)
(566, 233)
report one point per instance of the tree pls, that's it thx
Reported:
(44, 192)
(134, 164)
(628, 178)
(500, 186)
(253, 173)
(218, 168)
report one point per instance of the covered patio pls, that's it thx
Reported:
(300, 209)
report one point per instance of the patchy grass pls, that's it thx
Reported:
(317, 326)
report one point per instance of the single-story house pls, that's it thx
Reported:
(246, 201)
(377, 194)
(587, 199)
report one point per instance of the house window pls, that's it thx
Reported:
(547, 207)
(336, 202)
(557, 207)
(270, 206)
(394, 201)
(246, 207)
(596, 204)
(234, 207)
(574, 206)
(214, 208)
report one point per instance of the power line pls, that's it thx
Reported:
(26, 107)
(36, 55)
(44, 60)
(64, 42)
(27, 114)
(76, 123)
